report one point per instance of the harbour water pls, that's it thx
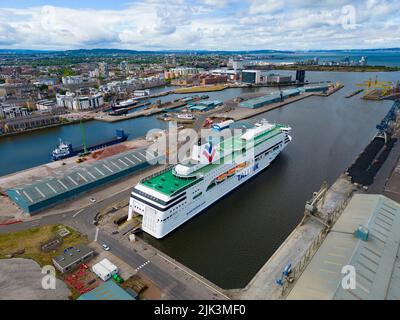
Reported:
(31, 149)
(389, 58)
(229, 242)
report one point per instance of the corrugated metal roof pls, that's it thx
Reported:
(107, 291)
(77, 177)
(376, 261)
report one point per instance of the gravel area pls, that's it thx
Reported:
(21, 279)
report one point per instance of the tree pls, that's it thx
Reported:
(68, 72)
(44, 87)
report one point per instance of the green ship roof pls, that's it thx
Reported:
(167, 183)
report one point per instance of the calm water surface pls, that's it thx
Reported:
(229, 242)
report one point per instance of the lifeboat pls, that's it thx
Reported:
(240, 166)
(231, 172)
(221, 178)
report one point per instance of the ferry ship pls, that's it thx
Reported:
(173, 196)
(125, 104)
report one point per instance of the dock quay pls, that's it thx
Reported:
(354, 93)
(152, 110)
(125, 110)
(298, 247)
(60, 170)
(236, 112)
(320, 216)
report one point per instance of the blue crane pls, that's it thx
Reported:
(391, 116)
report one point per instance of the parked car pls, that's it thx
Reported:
(105, 247)
(92, 200)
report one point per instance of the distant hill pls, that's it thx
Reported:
(99, 52)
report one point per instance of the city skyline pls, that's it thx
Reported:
(199, 25)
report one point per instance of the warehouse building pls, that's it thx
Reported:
(278, 78)
(204, 105)
(107, 291)
(268, 99)
(50, 191)
(73, 257)
(319, 88)
(365, 237)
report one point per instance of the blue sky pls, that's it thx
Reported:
(99, 4)
(200, 24)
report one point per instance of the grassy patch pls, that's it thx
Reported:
(31, 240)
(201, 89)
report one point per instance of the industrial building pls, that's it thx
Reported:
(319, 88)
(73, 257)
(28, 122)
(107, 291)
(204, 105)
(300, 76)
(366, 237)
(268, 99)
(50, 191)
(231, 75)
(251, 76)
(278, 78)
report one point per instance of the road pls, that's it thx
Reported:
(82, 220)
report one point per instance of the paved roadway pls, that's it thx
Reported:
(82, 220)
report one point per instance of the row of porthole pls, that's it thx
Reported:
(170, 216)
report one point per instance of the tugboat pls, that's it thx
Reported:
(65, 150)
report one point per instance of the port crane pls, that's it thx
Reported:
(375, 84)
(384, 126)
(375, 89)
(85, 151)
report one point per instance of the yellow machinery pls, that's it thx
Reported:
(376, 89)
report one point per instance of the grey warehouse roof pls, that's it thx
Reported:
(376, 260)
(78, 179)
(73, 254)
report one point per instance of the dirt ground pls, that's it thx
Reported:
(21, 279)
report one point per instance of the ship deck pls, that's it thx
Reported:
(169, 184)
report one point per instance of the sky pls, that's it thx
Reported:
(199, 24)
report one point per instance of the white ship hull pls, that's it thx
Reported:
(161, 220)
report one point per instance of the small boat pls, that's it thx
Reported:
(186, 116)
(125, 104)
(221, 178)
(65, 150)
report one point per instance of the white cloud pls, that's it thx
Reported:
(266, 6)
(204, 24)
